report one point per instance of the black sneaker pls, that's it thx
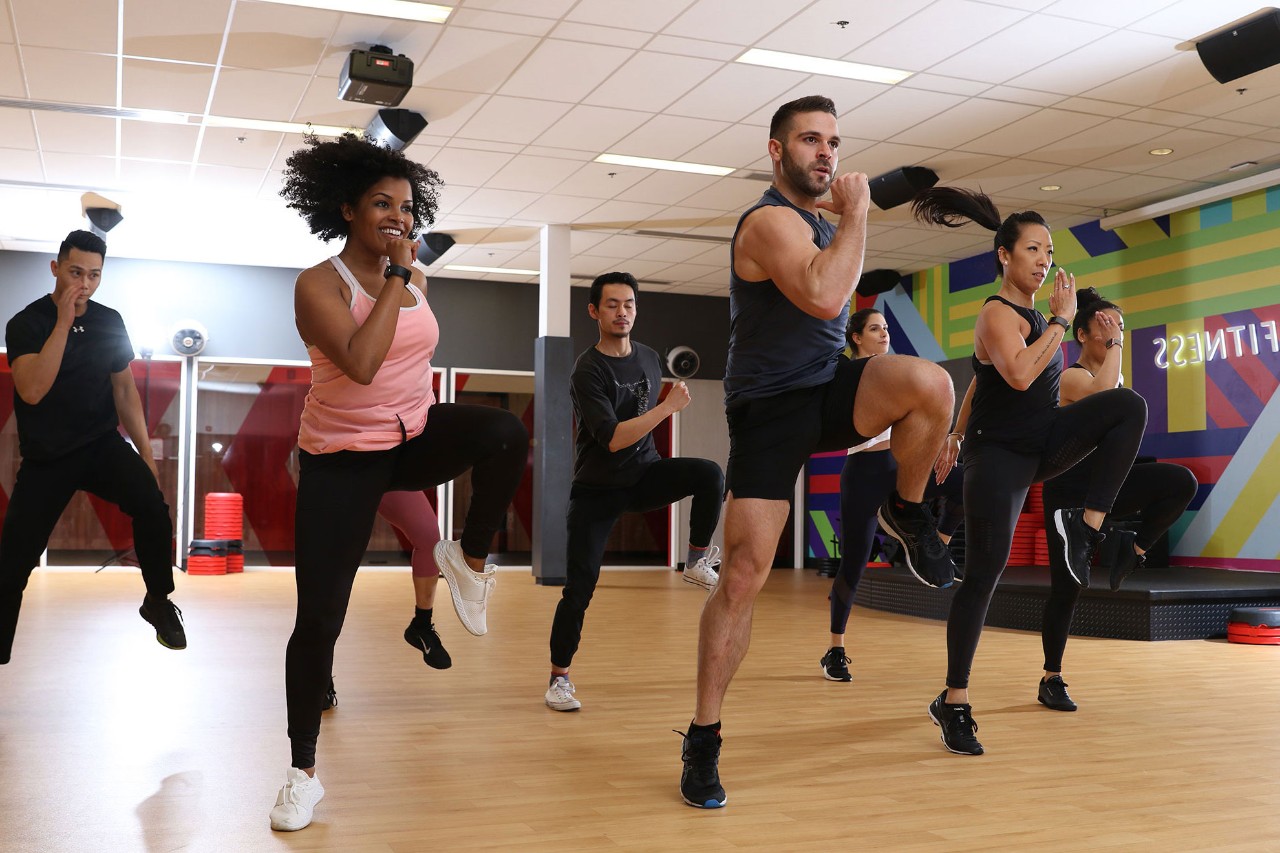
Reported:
(166, 618)
(927, 557)
(330, 697)
(1126, 559)
(957, 724)
(1078, 541)
(427, 641)
(700, 782)
(835, 665)
(1053, 694)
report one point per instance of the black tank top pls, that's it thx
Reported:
(773, 345)
(1016, 419)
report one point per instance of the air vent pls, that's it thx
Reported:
(89, 110)
(677, 235)
(764, 177)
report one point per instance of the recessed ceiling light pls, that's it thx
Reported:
(825, 67)
(670, 165)
(494, 270)
(402, 9)
(277, 126)
(1160, 152)
(1051, 188)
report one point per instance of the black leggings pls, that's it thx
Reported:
(866, 481)
(1108, 424)
(106, 467)
(338, 497)
(594, 511)
(1160, 491)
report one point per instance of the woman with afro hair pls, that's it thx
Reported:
(370, 423)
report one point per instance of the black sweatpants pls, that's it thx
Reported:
(1160, 491)
(866, 481)
(1108, 424)
(338, 497)
(594, 511)
(107, 467)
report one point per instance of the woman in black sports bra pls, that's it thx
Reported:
(1016, 433)
(1158, 492)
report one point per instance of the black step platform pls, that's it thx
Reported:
(1178, 603)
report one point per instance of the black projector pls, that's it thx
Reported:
(375, 76)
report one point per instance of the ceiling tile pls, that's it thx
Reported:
(516, 120)
(559, 208)
(478, 166)
(973, 118)
(730, 194)
(623, 214)
(915, 45)
(89, 27)
(1257, 112)
(414, 39)
(11, 83)
(1125, 192)
(532, 174)
(503, 22)
(1212, 165)
(6, 30)
(1181, 72)
(321, 105)
(446, 112)
(651, 81)
(1105, 12)
(271, 37)
(648, 17)
(1098, 141)
(80, 170)
(223, 146)
(741, 22)
(541, 8)
(564, 70)
(17, 129)
(70, 77)
(152, 85)
(1026, 135)
(887, 156)
(231, 180)
(589, 34)
(472, 60)
(689, 47)
(895, 111)
(1186, 19)
(148, 141)
(1020, 47)
(1165, 117)
(191, 32)
(736, 91)
(19, 165)
(738, 145)
(500, 203)
(667, 187)
(1110, 58)
(76, 134)
(153, 175)
(1090, 106)
(668, 137)
(600, 181)
(246, 93)
(593, 129)
(815, 31)
(675, 252)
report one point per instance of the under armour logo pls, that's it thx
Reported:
(77, 328)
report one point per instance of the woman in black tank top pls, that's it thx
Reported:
(1017, 435)
(1156, 492)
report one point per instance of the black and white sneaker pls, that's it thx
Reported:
(1053, 694)
(1127, 560)
(700, 781)
(426, 640)
(166, 618)
(957, 724)
(330, 699)
(1078, 542)
(912, 525)
(835, 665)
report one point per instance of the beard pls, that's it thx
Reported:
(803, 179)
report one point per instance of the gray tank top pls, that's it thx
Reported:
(773, 345)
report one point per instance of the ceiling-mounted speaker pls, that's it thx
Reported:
(901, 185)
(395, 129)
(683, 362)
(433, 246)
(1243, 48)
(878, 281)
(190, 337)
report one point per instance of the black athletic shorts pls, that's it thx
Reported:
(771, 437)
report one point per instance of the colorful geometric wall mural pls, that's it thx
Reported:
(1201, 294)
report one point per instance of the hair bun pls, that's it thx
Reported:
(1086, 297)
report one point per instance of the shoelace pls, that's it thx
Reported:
(712, 558)
(961, 722)
(832, 660)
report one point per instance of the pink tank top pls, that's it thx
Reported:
(341, 414)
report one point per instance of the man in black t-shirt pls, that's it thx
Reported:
(615, 389)
(72, 389)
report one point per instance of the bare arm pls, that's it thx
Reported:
(951, 445)
(1078, 384)
(999, 334)
(776, 244)
(34, 373)
(628, 432)
(129, 408)
(324, 318)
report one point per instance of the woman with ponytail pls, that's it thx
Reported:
(1157, 491)
(1017, 434)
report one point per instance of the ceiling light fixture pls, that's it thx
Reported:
(494, 270)
(1240, 167)
(1160, 152)
(669, 165)
(402, 9)
(275, 126)
(1051, 188)
(825, 67)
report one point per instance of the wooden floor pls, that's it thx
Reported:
(109, 742)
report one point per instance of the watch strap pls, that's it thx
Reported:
(396, 269)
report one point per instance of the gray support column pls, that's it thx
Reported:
(552, 410)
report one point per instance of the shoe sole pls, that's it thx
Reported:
(1054, 707)
(284, 828)
(1060, 525)
(143, 613)
(709, 804)
(459, 603)
(906, 553)
(707, 585)
(574, 707)
(937, 723)
(830, 677)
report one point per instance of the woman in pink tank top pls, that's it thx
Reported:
(371, 426)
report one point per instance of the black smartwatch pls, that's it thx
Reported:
(396, 269)
(1061, 322)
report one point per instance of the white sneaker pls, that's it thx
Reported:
(703, 573)
(470, 590)
(296, 801)
(560, 695)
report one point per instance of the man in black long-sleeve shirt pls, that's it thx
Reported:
(615, 386)
(72, 389)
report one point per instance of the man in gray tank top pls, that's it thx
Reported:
(789, 393)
